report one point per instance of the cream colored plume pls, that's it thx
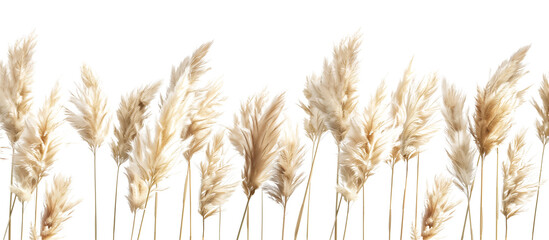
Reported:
(254, 135)
(314, 125)
(439, 208)
(542, 125)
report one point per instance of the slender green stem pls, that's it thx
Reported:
(481, 190)
(115, 201)
(404, 199)
(183, 207)
(144, 211)
(417, 184)
(337, 183)
(283, 220)
(346, 220)
(307, 189)
(391, 197)
(133, 224)
(243, 216)
(95, 186)
(155, 212)
(537, 192)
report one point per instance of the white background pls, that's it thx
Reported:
(275, 46)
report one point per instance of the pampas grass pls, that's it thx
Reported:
(461, 151)
(91, 119)
(518, 188)
(336, 94)
(132, 112)
(314, 128)
(215, 188)
(286, 177)
(542, 127)
(417, 127)
(157, 148)
(254, 135)
(15, 97)
(492, 119)
(439, 208)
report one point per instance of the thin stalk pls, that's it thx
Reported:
(391, 197)
(248, 223)
(307, 190)
(144, 211)
(404, 199)
(537, 192)
(22, 218)
(505, 228)
(190, 203)
(11, 194)
(183, 207)
(155, 211)
(133, 224)
(363, 207)
(115, 201)
(497, 190)
(261, 215)
(219, 223)
(338, 207)
(465, 220)
(283, 220)
(308, 207)
(337, 183)
(468, 209)
(95, 187)
(36, 203)
(243, 216)
(12, 204)
(203, 228)
(417, 184)
(481, 190)
(346, 220)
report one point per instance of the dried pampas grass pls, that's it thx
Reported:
(542, 127)
(518, 186)
(461, 151)
(439, 208)
(254, 135)
(492, 119)
(286, 177)
(215, 187)
(58, 209)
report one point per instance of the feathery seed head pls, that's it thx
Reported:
(439, 208)
(542, 125)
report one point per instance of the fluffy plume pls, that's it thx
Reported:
(335, 95)
(138, 188)
(518, 187)
(215, 188)
(461, 151)
(15, 88)
(91, 118)
(419, 107)
(254, 135)
(204, 114)
(38, 148)
(131, 114)
(286, 177)
(366, 145)
(542, 124)
(314, 125)
(496, 102)
(57, 210)
(191, 68)
(439, 208)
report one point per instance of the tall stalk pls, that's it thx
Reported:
(337, 183)
(481, 190)
(505, 228)
(346, 220)
(22, 218)
(219, 223)
(183, 207)
(190, 203)
(537, 192)
(467, 213)
(243, 216)
(262, 215)
(283, 220)
(497, 190)
(133, 224)
(307, 190)
(155, 211)
(95, 186)
(248, 223)
(417, 184)
(308, 207)
(363, 207)
(35, 204)
(404, 199)
(115, 201)
(9, 218)
(338, 207)
(11, 194)
(391, 197)
(203, 228)
(144, 211)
